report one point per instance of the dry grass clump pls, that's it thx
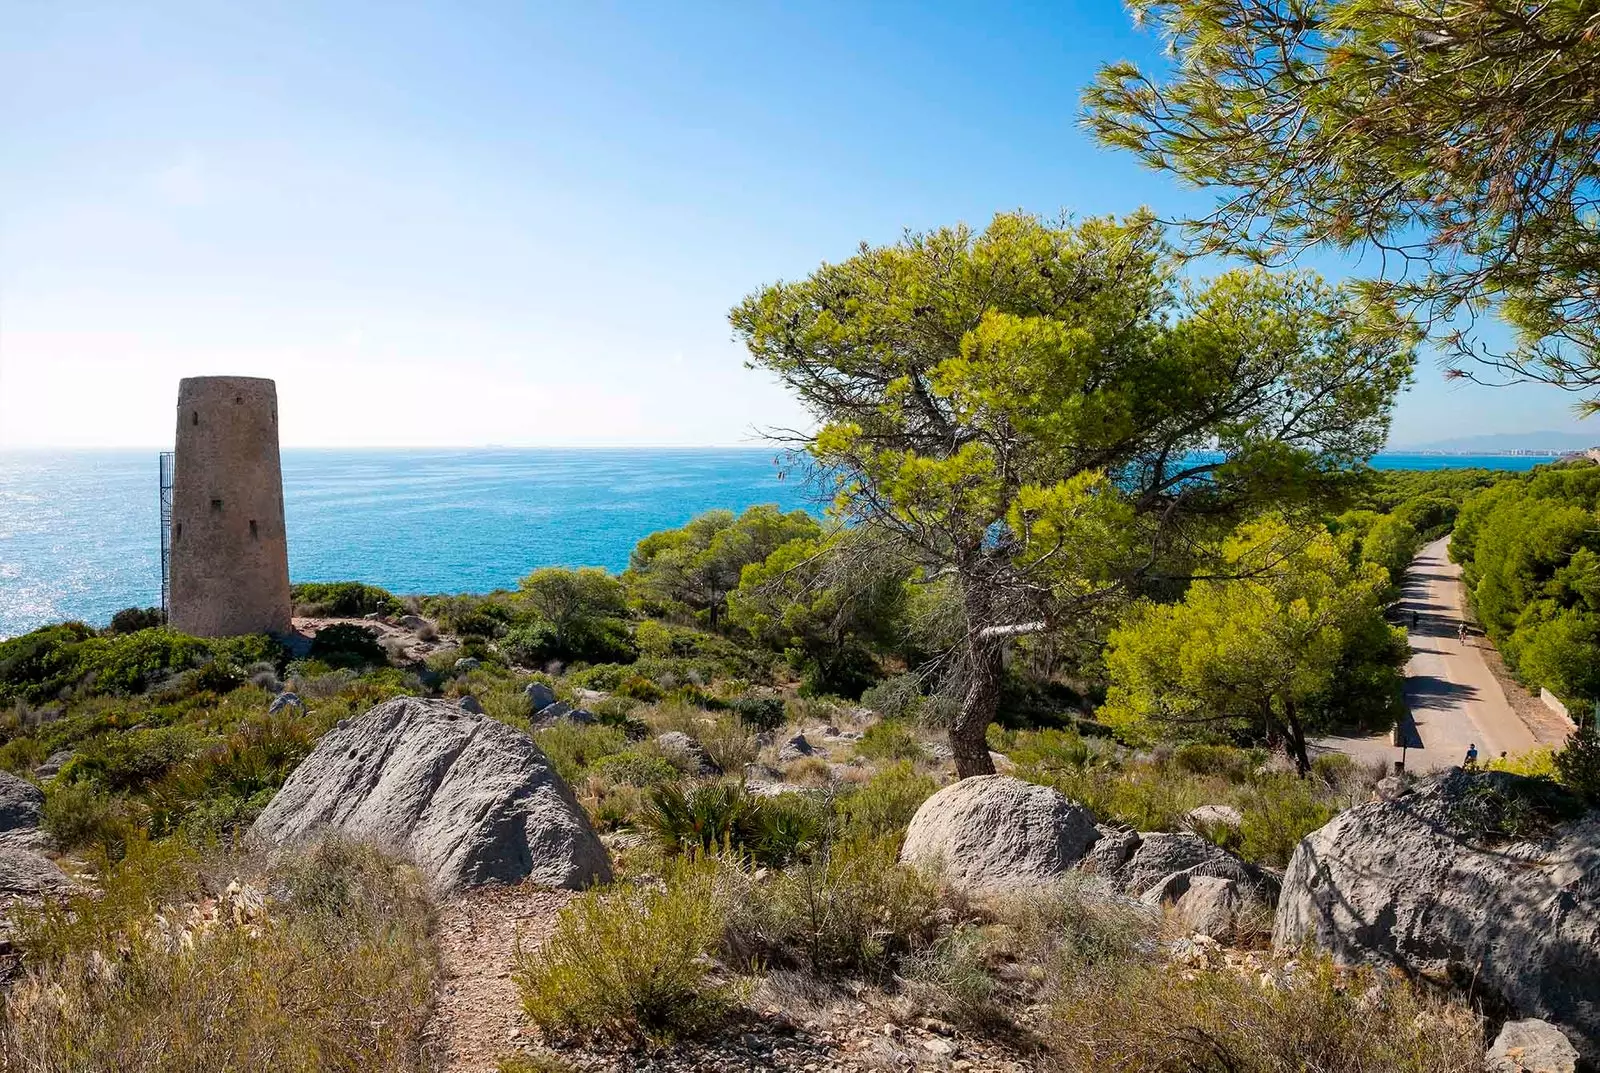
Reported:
(320, 961)
(1154, 1017)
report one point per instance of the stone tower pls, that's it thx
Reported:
(230, 557)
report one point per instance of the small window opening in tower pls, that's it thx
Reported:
(194, 418)
(238, 400)
(253, 529)
(216, 504)
(178, 531)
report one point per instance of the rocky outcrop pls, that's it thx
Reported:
(53, 765)
(21, 803)
(1219, 908)
(470, 799)
(540, 696)
(1412, 882)
(1215, 816)
(994, 833)
(687, 754)
(796, 748)
(1157, 856)
(1531, 1046)
(29, 872)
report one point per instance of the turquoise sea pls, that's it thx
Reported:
(79, 530)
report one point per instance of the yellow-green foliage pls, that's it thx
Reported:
(630, 963)
(1154, 792)
(1538, 762)
(337, 974)
(573, 747)
(885, 803)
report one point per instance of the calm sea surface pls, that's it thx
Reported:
(79, 530)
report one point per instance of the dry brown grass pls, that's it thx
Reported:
(319, 961)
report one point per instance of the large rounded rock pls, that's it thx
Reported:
(470, 799)
(21, 803)
(1410, 882)
(994, 832)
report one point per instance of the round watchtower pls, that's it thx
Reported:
(230, 557)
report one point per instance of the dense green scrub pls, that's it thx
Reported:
(1529, 547)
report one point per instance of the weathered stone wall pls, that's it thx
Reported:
(230, 556)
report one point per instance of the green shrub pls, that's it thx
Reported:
(885, 803)
(889, 740)
(22, 755)
(79, 816)
(1147, 1016)
(335, 974)
(1278, 812)
(345, 644)
(640, 688)
(131, 759)
(573, 747)
(38, 666)
(344, 599)
(1219, 760)
(242, 770)
(1577, 765)
(760, 713)
(951, 980)
(134, 619)
(634, 768)
(709, 817)
(899, 697)
(850, 908)
(629, 963)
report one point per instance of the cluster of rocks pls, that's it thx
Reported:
(995, 834)
(1395, 882)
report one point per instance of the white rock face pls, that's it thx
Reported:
(471, 800)
(1402, 882)
(993, 833)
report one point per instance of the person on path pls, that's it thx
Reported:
(1414, 617)
(1472, 756)
(1461, 632)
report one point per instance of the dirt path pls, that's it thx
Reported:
(479, 1018)
(1454, 698)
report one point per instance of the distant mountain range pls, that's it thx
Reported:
(1506, 443)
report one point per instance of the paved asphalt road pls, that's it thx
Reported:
(1454, 698)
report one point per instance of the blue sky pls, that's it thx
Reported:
(518, 224)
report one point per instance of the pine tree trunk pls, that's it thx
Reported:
(1297, 741)
(969, 734)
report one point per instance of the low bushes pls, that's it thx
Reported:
(850, 908)
(885, 803)
(1146, 1016)
(724, 817)
(334, 971)
(630, 963)
(889, 740)
(344, 599)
